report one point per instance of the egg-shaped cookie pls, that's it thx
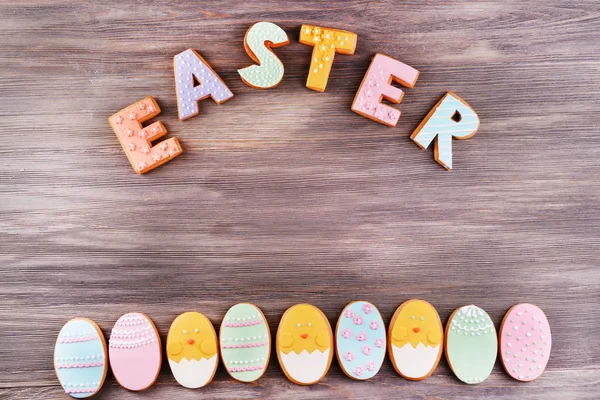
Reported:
(134, 350)
(304, 344)
(471, 344)
(416, 339)
(360, 340)
(192, 350)
(525, 342)
(80, 358)
(245, 342)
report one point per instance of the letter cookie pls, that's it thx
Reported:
(326, 43)
(135, 351)
(471, 344)
(360, 340)
(80, 358)
(416, 339)
(304, 344)
(451, 117)
(245, 342)
(135, 139)
(192, 350)
(258, 42)
(190, 67)
(525, 342)
(376, 85)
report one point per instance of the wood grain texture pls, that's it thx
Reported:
(286, 196)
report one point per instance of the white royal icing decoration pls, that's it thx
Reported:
(415, 362)
(305, 367)
(193, 374)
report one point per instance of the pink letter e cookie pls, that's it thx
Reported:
(136, 139)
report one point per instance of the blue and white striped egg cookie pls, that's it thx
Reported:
(360, 340)
(80, 358)
(245, 342)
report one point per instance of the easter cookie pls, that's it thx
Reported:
(304, 344)
(360, 340)
(245, 342)
(135, 351)
(190, 68)
(192, 350)
(80, 358)
(326, 42)
(259, 41)
(376, 85)
(471, 344)
(135, 139)
(525, 342)
(450, 117)
(416, 339)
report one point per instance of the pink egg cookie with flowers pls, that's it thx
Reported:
(134, 351)
(360, 338)
(525, 342)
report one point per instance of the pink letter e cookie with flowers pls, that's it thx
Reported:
(135, 139)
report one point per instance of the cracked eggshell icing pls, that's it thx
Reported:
(471, 344)
(245, 342)
(304, 344)
(360, 340)
(525, 342)
(134, 350)
(416, 339)
(192, 350)
(80, 358)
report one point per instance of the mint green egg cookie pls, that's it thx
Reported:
(245, 342)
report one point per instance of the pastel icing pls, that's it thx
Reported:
(304, 342)
(259, 40)
(376, 85)
(450, 117)
(136, 139)
(416, 339)
(525, 342)
(245, 342)
(134, 351)
(190, 66)
(326, 42)
(192, 350)
(80, 358)
(360, 340)
(471, 344)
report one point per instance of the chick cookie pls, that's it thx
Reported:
(80, 358)
(471, 344)
(525, 342)
(192, 350)
(304, 344)
(360, 340)
(245, 342)
(416, 339)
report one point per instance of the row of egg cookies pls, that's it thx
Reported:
(305, 345)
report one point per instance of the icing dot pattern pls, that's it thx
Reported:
(360, 340)
(326, 42)
(535, 342)
(135, 139)
(189, 64)
(376, 85)
(269, 72)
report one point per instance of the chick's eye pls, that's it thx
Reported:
(196, 330)
(422, 318)
(298, 324)
(310, 324)
(413, 317)
(184, 332)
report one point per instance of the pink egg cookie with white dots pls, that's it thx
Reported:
(525, 342)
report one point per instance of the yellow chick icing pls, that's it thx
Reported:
(304, 327)
(191, 337)
(417, 322)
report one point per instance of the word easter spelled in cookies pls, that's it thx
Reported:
(305, 344)
(195, 80)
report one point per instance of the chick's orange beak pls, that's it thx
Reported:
(416, 329)
(191, 341)
(304, 335)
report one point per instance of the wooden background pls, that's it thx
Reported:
(286, 196)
